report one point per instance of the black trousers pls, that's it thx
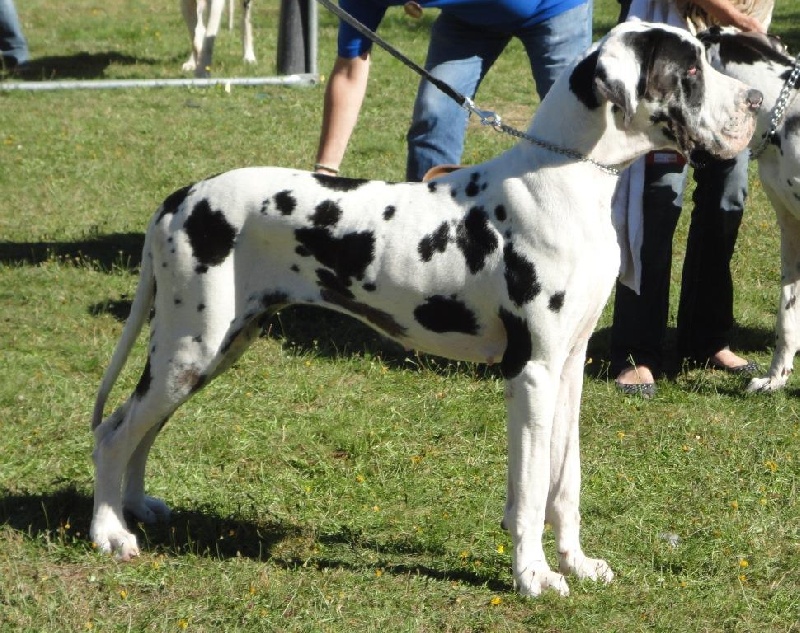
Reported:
(705, 312)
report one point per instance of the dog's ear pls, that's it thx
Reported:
(618, 92)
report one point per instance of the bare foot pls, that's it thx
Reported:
(636, 375)
(726, 359)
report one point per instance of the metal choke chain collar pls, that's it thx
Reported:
(787, 93)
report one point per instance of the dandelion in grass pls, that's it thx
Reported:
(183, 624)
(501, 549)
(496, 601)
(770, 465)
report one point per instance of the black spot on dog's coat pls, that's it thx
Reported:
(328, 279)
(556, 302)
(476, 239)
(326, 213)
(173, 201)
(434, 242)
(500, 213)
(388, 212)
(338, 183)
(446, 314)
(285, 202)
(474, 187)
(210, 235)
(518, 344)
(347, 256)
(520, 275)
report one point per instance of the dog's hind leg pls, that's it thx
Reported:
(788, 318)
(563, 511)
(116, 440)
(143, 508)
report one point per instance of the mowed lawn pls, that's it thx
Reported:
(331, 481)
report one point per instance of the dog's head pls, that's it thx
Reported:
(658, 82)
(754, 58)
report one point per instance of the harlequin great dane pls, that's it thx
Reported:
(507, 262)
(203, 37)
(762, 61)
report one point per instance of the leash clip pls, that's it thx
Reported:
(487, 117)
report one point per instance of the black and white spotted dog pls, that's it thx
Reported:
(204, 35)
(508, 262)
(761, 61)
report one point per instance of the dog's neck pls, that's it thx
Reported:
(597, 134)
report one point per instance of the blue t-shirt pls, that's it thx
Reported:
(504, 16)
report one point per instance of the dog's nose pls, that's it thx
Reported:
(754, 99)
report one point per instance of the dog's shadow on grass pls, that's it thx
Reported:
(104, 252)
(57, 517)
(82, 65)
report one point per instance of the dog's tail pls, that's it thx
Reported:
(140, 310)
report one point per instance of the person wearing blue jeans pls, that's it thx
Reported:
(13, 46)
(466, 39)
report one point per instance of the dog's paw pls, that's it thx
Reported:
(189, 65)
(766, 384)
(533, 582)
(122, 544)
(148, 510)
(583, 567)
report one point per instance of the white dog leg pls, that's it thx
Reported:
(247, 34)
(530, 404)
(115, 440)
(788, 318)
(563, 511)
(212, 28)
(145, 509)
(193, 11)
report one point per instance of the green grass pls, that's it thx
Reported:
(330, 482)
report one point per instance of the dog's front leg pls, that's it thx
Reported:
(193, 11)
(212, 28)
(563, 511)
(788, 318)
(247, 33)
(531, 404)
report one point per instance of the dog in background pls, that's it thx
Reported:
(203, 36)
(761, 61)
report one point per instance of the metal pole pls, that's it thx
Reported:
(303, 79)
(293, 37)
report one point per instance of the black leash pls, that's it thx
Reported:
(487, 118)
